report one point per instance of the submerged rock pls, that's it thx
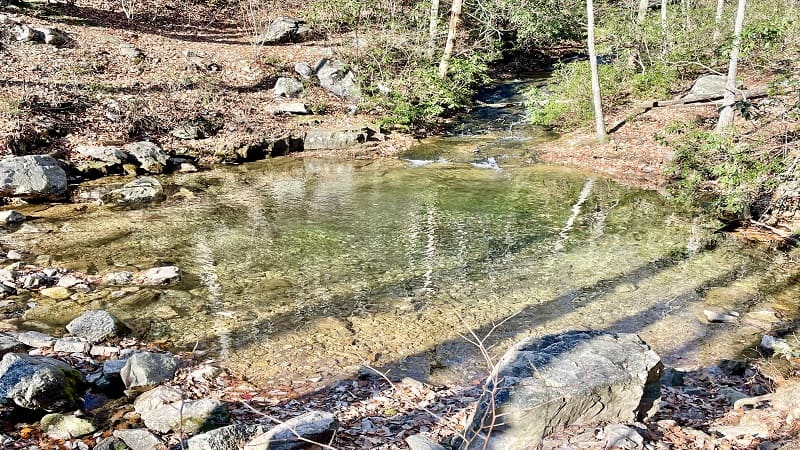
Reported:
(147, 369)
(37, 382)
(142, 190)
(36, 177)
(56, 292)
(160, 275)
(544, 384)
(94, 326)
(317, 426)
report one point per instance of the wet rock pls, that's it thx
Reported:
(328, 139)
(337, 78)
(94, 326)
(157, 398)
(56, 292)
(232, 437)
(187, 416)
(118, 278)
(37, 382)
(288, 87)
(130, 51)
(621, 436)
(317, 426)
(544, 384)
(139, 439)
(11, 217)
(36, 339)
(160, 275)
(10, 344)
(35, 176)
(149, 156)
(111, 443)
(304, 70)
(146, 369)
(142, 190)
(421, 442)
(60, 426)
(71, 345)
(289, 108)
(285, 29)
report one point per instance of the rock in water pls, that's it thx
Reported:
(148, 369)
(327, 139)
(316, 426)
(232, 437)
(36, 176)
(150, 156)
(94, 326)
(143, 190)
(335, 77)
(37, 382)
(160, 275)
(544, 384)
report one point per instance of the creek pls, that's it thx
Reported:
(306, 269)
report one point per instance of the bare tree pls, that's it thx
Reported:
(434, 25)
(727, 111)
(641, 14)
(664, 27)
(597, 101)
(718, 18)
(455, 17)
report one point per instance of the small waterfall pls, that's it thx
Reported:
(576, 210)
(204, 259)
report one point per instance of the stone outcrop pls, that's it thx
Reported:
(328, 139)
(37, 382)
(32, 177)
(544, 384)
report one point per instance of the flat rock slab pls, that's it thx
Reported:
(544, 384)
(330, 139)
(316, 426)
(232, 437)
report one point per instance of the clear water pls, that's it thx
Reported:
(307, 269)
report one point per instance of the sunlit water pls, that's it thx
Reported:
(306, 269)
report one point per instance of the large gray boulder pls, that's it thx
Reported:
(142, 190)
(287, 87)
(34, 176)
(149, 156)
(94, 326)
(232, 437)
(709, 85)
(337, 78)
(329, 139)
(37, 382)
(285, 29)
(544, 384)
(147, 369)
(187, 416)
(316, 426)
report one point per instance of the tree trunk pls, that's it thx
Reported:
(726, 114)
(451, 37)
(434, 23)
(664, 28)
(644, 5)
(600, 127)
(718, 18)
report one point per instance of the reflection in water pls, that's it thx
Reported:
(301, 268)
